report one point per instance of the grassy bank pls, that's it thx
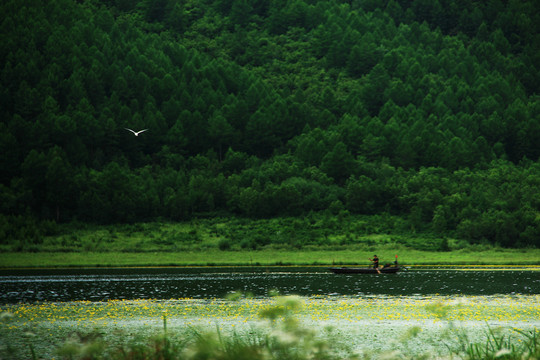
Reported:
(266, 258)
(314, 232)
(317, 239)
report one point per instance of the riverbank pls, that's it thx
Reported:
(495, 257)
(412, 326)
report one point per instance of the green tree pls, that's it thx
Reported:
(426, 10)
(260, 133)
(338, 163)
(116, 188)
(309, 149)
(155, 10)
(33, 170)
(221, 133)
(363, 56)
(439, 222)
(177, 18)
(374, 90)
(241, 11)
(362, 195)
(247, 201)
(176, 138)
(59, 182)
(9, 155)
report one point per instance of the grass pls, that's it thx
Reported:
(501, 346)
(318, 231)
(313, 240)
(276, 328)
(212, 257)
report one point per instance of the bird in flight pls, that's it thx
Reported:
(136, 133)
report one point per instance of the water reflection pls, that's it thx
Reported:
(167, 283)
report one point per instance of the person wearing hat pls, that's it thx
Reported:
(375, 261)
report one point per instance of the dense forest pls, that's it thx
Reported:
(425, 110)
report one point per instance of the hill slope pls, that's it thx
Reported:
(427, 110)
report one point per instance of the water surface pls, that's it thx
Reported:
(173, 283)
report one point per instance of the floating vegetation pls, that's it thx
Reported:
(366, 325)
(317, 308)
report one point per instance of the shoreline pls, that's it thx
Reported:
(269, 258)
(458, 267)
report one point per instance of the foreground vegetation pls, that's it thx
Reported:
(428, 111)
(278, 328)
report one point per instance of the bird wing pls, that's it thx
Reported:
(141, 131)
(130, 130)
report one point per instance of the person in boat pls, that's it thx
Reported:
(395, 264)
(375, 262)
(387, 265)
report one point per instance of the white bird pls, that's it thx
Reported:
(136, 133)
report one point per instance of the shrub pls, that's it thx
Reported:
(224, 244)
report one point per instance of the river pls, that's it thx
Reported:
(102, 284)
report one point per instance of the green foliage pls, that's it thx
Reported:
(284, 336)
(82, 346)
(425, 110)
(287, 340)
(501, 346)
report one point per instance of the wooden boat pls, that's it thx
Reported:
(357, 270)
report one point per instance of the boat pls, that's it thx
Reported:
(359, 270)
(386, 269)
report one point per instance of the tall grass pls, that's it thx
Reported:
(500, 346)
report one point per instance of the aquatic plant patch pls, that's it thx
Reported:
(363, 325)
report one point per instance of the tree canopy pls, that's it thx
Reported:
(428, 110)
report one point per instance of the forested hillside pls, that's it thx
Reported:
(428, 110)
